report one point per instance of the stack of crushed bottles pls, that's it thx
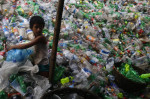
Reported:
(94, 35)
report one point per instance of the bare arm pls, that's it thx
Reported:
(27, 45)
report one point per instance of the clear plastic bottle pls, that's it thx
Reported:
(22, 32)
(141, 61)
(5, 8)
(81, 76)
(68, 54)
(74, 66)
(110, 64)
(107, 35)
(30, 34)
(25, 7)
(79, 14)
(6, 31)
(85, 63)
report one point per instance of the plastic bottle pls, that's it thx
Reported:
(30, 35)
(24, 23)
(111, 77)
(22, 84)
(43, 4)
(20, 10)
(94, 60)
(22, 32)
(79, 13)
(145, 75)
(66, 80)
(80, 76)
(141, 61)
(15, 31)
(3, 95)
(105, 53)
(85, 63)
(25, 7)
(6, 31)
(12, 10)
(68, 55)
(59, 71)
(110, 64)
(90, 38)
(36, 9)
(5, 8)
(74, 66)
(90, 5)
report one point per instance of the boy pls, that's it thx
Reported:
(40, 45)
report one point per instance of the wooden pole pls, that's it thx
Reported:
(55, 40)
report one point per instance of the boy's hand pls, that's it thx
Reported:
(12, 47)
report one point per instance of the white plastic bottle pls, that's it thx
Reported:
(30, 34)
(6, 31)
(110, 64)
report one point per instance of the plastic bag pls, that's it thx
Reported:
(9, 68)
(5, 73)
(18, 55)
(43, 85)
(33, 69)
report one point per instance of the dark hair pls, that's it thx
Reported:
(36, 20)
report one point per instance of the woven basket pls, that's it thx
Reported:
(66, 91)
(127, 84)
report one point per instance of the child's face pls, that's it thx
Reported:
(37, 29)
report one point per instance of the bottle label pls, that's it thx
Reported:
(104, 52)
(29, 31)
(5, 30)
(15, 30)
(90, 38)
(66, 7)
(88, 72)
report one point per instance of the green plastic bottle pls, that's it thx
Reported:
(107, 41)
(80, 5)
(36, 8)
(145, 75)
(59, 71)
(121, 47)
(120, 95)
(66, 80)
(20, 79)
(12, 77)
(1, 47)
(3, 95)
(13, 19)
(20, 10)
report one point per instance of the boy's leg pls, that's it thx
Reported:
(45, 74)
(44, 70)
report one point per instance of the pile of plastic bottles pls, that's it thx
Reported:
(94, 35)
(23, 86)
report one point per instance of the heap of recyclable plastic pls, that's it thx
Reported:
(94, 35)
